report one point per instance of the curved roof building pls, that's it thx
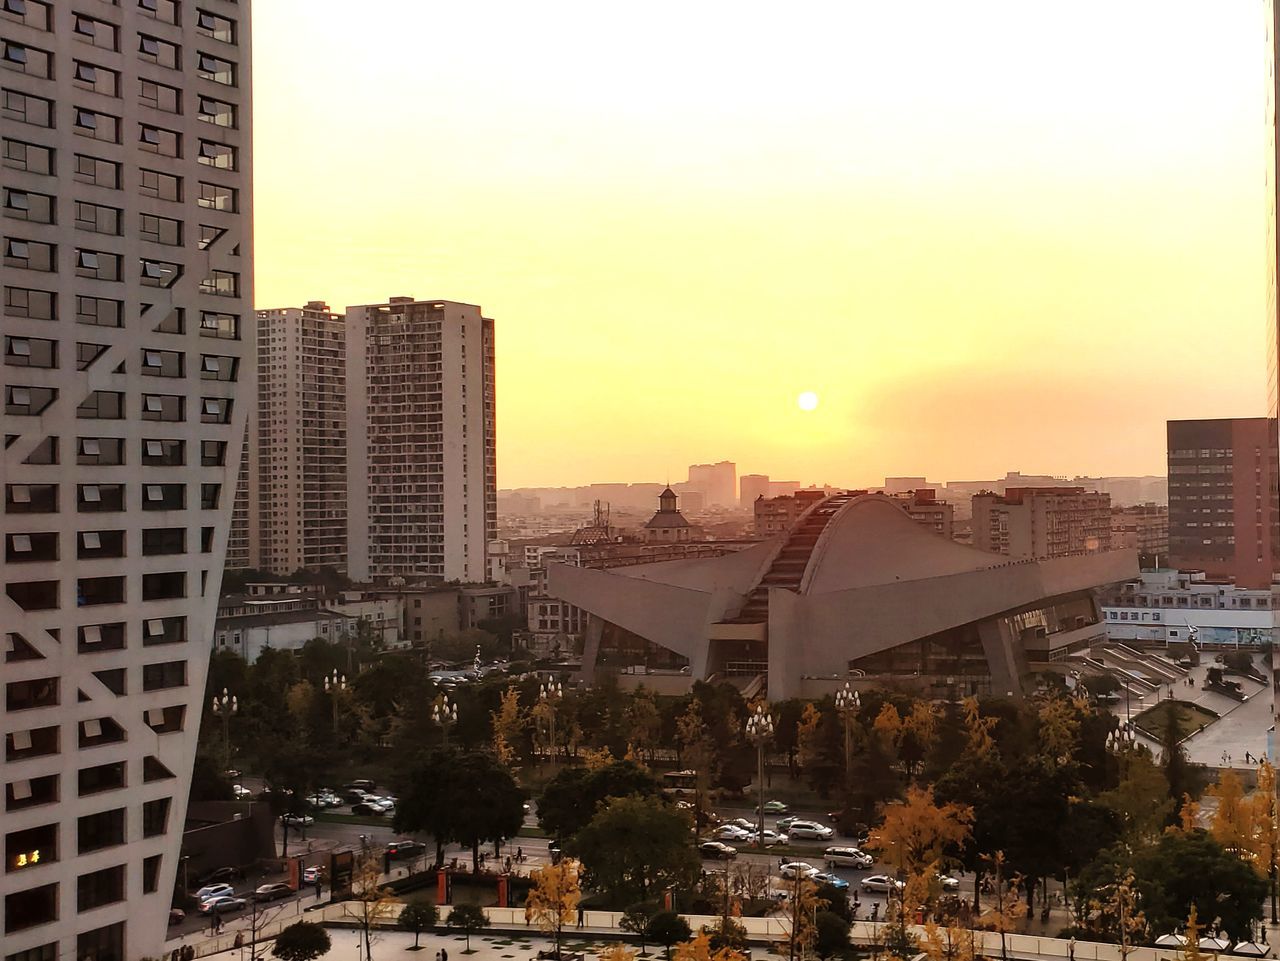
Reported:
(854, 588)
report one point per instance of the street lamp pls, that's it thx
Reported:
(445, 713)
(225, 705)
(848, 704)
(760, 732)
(1120, 742)
(332, 685)
(550, 693)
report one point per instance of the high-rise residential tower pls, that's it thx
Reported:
(422, 456)
(297, 479)
(718, 483)
(127, 276)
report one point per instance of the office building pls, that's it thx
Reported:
(718, 483)
(422, 457)
(1033, 522)
(127, 251)
(1222, 498)
(297, 472)
(751, 487)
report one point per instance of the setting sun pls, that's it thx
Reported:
(808, 400)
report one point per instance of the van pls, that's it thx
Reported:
(847, 858)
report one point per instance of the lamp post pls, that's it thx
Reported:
(224, 705)
(550, 693)
(333, 683)
(760, 732)
(445, 713)
(848, 703)
(1120, 742)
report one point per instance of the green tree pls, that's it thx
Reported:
(468, 919)
(667, 928)
(1140, 800)
(303, 941)
(636, 919)
(832, 934)
(416, 917)
(574, 796)
(636, 847)
(1184, 779)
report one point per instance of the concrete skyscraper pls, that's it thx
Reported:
(127, 251)
(422, 455)
(296, 508)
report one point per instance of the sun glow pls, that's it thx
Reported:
(808, 400)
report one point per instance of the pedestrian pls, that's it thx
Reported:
(528, 914)
(1071, 949)
(519, 854)
(582, 913)
(507, 864)
(239, 941)
(444, 954)
(437, 956)
(875, 911)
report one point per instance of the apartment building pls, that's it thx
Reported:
(1039, 522)
(422, 455)
(296, 507)
(1223, 514)
(1143, 528)
(923, 507)
(127, 284)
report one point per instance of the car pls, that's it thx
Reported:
(322, 800)
(177, 915)
(298, 820)
(797, 869)
(272, 892)
(361, 784)
(784, 824)
(772, 807)
(768, 839)
(837, 882)
(241, 792)
(367, 810)
(353, 797)
(717, 850)
(231, 774)
(553, 849)
(881, 882)
(399, 850)
(731, 832)
(223, 905)
(948, 882)
(214, 891)
(741, 823)
(847, 858)
(810, 831)
(219, 876)
(312, 874)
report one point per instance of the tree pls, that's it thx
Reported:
(616, 952)
(418, 916)
(303, 941)
(553, 900)
(1233, 823)
(799, 910)
(636, 919)
(1140, 798)
(1267, 838)
(636, 847)
(574, 796)
(643, 723)
(467, 918)
(918, 833)
(509, 725)
(1006, 907)
(978, 729)
(666, 928)
(373, 903)
(832, 934)
(699, 948)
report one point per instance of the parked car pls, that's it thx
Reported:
(214, 891)
(773, 807)
(368, 810)
(177, 916)
(223, 905)
(272, 892)
(881, 882)
(399, 850)
(312, 874)
(361, 784)
(797, 869)
(784, 824)
(717, 850)
(847, 858)
(741, 823)
(298, 820)
(948, 882)
(241, 792)
(768, 839)
(837, 882)
(353, 797)
(730, 832)
(810, 831)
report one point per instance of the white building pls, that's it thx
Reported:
(296, 505)
(422, 464)
(125, 216)
(1165, 605)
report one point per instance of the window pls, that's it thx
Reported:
(99, 311)
(97, 32)
(39, 742)
(103, 777)
(216, 69)
(102, 405)
(159, 273)
(46, 952)
(31, 499)
(165, 586)
(30, 352)
(24, 695)
(214, 367)
(97, 125)
(97, 171)
(159, 140)
(162, 52)
(164, 453)
(34, 13)
(166, 720)
(164, 497)
(26, 59)
(221, 283)
(91, 76)
(164, 630)
(217, 197)
(93, 638)
(160, 185)
(159, 96)
(28, 205)
(99, 498)
(215, 410)
(26, 108)
(103, 451)
(151, 874)
(28, 302)
(166, 674)
(221, 326)
(97, 264)
(97, 218)
(215, 27)
(217, 112)
(164, 540)
(34, 595)
(31, 792)
(26, 909)
(155, 817)
(165, 10)
(93, 544)
(99, 731)
(33, 158)
(162, 363)
(210, 494)
(161, 230)
(28, 401)
(29, 548)
(213, 453)
(163, 407)
(46, 452)
(91, 591)
(100, 888)
(102, 944)
(31, 848)
(220, 155)
(17, 649)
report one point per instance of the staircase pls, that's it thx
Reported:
(787, 570)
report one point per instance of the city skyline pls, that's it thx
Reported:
(974, 238)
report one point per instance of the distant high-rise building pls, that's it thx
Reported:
(126, 213)
(752, 486)
(903, 485)
(422, 453)
(297, 476)
(1143, 528)
(717, 482)
(1040, 522)
(1223, 498)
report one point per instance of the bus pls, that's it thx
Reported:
(680, 783)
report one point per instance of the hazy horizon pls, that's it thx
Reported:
(982, 235)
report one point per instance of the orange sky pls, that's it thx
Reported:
(990, 235)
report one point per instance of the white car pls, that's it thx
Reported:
(809, 831)
(214, 891)
(241, 792)
(768, 839)
(881, 882)
(948, 882)
(731, 832)
(742, 823)
(847, 858)
(797, 869)
(298, 820)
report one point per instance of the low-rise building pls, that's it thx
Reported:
(1165, 606)
(923, 507)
